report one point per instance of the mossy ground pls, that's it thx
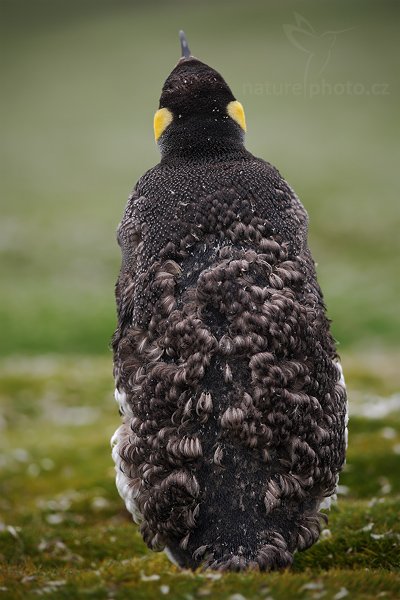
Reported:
(64, 532)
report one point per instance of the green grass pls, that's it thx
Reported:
(64, 532)
(80, 83)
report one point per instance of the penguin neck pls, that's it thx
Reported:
(201, 143)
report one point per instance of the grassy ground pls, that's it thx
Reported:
(64, 532)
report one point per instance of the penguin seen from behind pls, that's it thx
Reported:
(227, 376)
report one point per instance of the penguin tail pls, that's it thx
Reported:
(270, 556)
(246, 524)
(268, 551)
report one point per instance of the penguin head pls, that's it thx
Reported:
(197, 111)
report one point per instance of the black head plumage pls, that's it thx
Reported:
(193, 85)
(197, 111)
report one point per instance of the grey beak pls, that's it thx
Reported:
(184, 45)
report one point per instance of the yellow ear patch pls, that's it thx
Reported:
(236, 112)
(162, 119)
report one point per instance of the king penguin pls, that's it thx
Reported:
(227, 377)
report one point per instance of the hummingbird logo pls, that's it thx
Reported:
(317, 46)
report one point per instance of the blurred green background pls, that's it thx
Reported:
(80, 84)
